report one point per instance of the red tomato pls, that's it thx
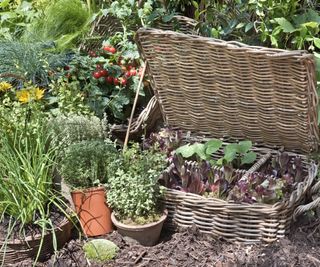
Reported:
(123, 82)
(106, 48)
(133, 72)
(109, 79)
(96, 75)
(103, 73)
(128, 74)
(115, 81)
(112, 50)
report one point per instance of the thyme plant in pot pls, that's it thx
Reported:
(84, 167)
(134, 194)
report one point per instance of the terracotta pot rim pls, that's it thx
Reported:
(59, 227)
(121, 225)
(88, 190)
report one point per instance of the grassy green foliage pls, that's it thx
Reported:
(134, 191)
(63, 21)
(100, 250)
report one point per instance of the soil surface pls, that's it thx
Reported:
(191, 248)
(29, 229)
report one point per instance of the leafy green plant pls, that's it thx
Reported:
(235, 154)
(22, 61)
(100, 250)
(133, 191)
(27, 159)
(73, 128)
(15, 16)
(86, 163)
(63, 21)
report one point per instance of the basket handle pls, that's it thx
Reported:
(256, 166)
(316, 202)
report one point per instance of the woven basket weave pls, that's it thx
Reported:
(18, 250)
(227, 89)
(218, 89)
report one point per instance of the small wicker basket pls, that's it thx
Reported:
(218, 89)
(16, 251)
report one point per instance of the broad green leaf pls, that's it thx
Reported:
(248, 158)
(244, 146)
(316, 43)
(230, 156)
(248, 27)
(231, 148)
(285, 24)
(199, 149)
(221, 162)
(312, 24)
(167, 18)
(195, 4)
(186, 151)
(274, 41)
(213, 146)
(312, 15)
(240, 25)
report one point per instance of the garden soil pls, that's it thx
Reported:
(191, 248)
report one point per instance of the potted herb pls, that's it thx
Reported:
(84, 167)
(34, 218)
(134, 194)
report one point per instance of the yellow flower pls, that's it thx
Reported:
(38, 93)
(4, 86)
(23, 96)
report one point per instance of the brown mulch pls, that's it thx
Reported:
(191, 248)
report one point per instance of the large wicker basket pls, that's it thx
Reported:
(218, 89)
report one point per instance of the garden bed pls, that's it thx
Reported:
(191, 248)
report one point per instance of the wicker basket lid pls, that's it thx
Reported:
(224, 89)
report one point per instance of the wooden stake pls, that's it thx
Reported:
(134, 107)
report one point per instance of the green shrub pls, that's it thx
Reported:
(73, 128)
(85, 164)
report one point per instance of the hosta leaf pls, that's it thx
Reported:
(213, 146)
(248, 158)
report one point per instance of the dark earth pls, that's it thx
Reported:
(191, 248)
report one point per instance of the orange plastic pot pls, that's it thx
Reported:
(93, 211)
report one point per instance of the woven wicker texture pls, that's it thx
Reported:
(226, 89)
(17, 251)
(248, 223)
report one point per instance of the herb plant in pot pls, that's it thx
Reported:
(134, 195)
(84, 168)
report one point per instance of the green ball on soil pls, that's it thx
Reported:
(100, 250)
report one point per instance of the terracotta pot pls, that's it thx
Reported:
(146, 235)
(91, 207)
